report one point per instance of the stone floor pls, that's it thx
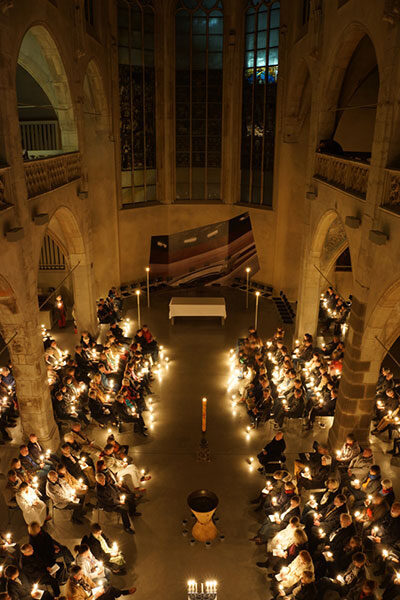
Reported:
(159, 556)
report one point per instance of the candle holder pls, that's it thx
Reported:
(203, 453)
(203, 505)
(202, 591)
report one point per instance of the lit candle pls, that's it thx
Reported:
(148, 286)
(247, 286)
(203, 415)
(122, 498)
(256, 316)
(138, 306)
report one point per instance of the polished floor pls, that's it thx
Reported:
(160, 556)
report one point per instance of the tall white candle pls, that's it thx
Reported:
(247, 286)
(256, 317)
(148, 286)
(138, 306)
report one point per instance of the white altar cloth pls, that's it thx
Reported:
(197, 307)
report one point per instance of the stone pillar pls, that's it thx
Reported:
(356, 401)
(84, 303)
(164, 57)
(233, 57)
(29, 369)
(308, 305)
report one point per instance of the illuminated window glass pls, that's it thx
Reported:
(137, 100)
(259, 101)
(199, 40)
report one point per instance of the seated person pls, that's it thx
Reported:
(103, 549)
(33, 569)
(64, 496)
(272, 452)
(79, 587)
(47, 547)
(110, 500)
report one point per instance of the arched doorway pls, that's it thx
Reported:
(328, 243)
(63, 237)
(45, 108)
(20, 330)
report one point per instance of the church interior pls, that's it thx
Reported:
(200, 299)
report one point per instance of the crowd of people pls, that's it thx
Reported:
(329, 525)
(105, 383)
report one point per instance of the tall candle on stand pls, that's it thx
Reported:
(138, 307)
(247, 286)
(148, 286)
(203, 415)
(256, 317)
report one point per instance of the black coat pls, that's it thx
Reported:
(308, 591)
(15, 590)
(341, 538)
(108, 496)
(44, 546)
(274, 449)
(72, 467)
(95, 546)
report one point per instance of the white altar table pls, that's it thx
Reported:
(197, 307)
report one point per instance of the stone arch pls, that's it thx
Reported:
(383, 323)
(336, 68)
(318, 259)
(40, 57)
(95, 105)
(63, 225)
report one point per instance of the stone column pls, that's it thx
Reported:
(355, 404)
(29, 369)
(164, 57)
(233, 59)
(84, 305)
(308, 304)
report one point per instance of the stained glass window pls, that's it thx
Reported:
(259, 101)
(199, 41)
(137, 100)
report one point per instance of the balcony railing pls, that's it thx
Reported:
(5, 188)
(347, 175)
(391, 195)
(50, 173)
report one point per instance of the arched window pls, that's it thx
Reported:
(259, 101)
(137, 100)
(199, 41)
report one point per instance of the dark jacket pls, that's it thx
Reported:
(95, 546)
(274, 449)
(340, 538)
(308, 591)
(72, 465)
(44, 546)
(16, 591)
(108, 496)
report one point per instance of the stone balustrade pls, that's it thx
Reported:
(50, 173)
(391, 195)
(348, 175)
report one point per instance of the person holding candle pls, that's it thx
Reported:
(110, 500)
(47, 547)
(105, 550)
(348, 581)
(123, 468)
(64, 496)
(91, 567)
(348, 451)
(289, 577)
(15, 590)
(33, 508)
(79, 587)
(34, 569)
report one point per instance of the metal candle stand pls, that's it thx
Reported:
(202, 596)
